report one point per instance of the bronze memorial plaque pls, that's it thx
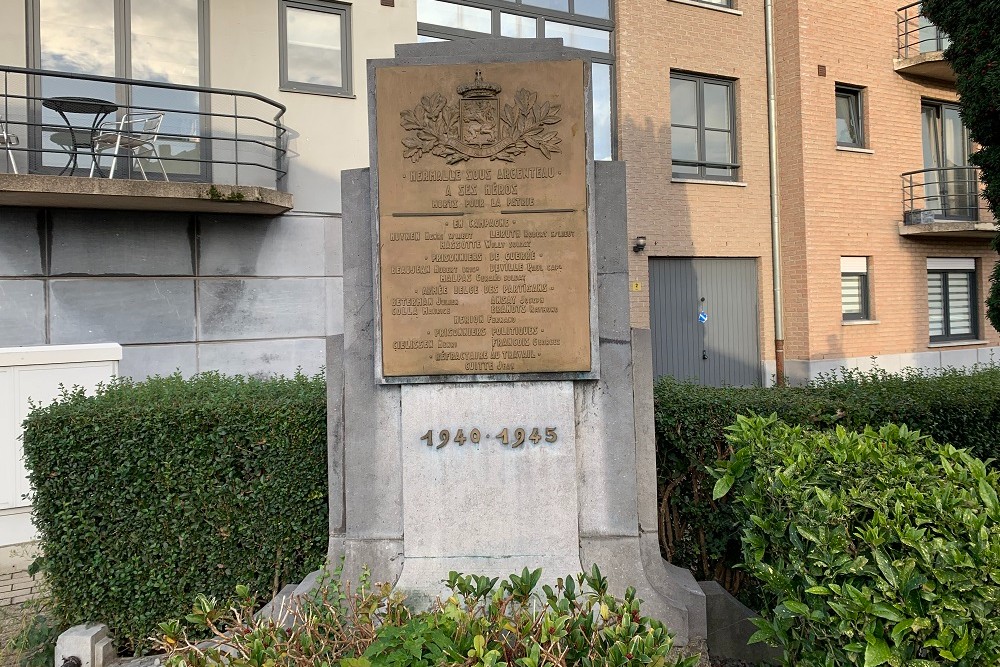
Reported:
(483, 237)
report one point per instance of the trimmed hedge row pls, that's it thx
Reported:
(149, 493)
(956, 407)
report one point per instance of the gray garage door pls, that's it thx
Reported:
(703, 316)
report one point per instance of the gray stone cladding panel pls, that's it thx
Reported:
(289, 245)
(334, 306)
(21, 242)
(93, 310)
(334, 246)
(335, 438)
(142, 361)
(22, 312)
(128, 243)
(374, 489)
(243, 308)
(264, 358)
(645, 430)
(613, 245)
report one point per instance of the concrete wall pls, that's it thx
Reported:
(680, 219)
(239, 294)
(328, 134)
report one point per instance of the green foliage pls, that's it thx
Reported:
(28, 634)
(482, 623)
(975, 56)
(697, 532)
(150, 492)
(881, 547)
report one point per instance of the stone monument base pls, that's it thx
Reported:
(489, 474)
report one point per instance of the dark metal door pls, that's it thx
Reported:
(704, 320)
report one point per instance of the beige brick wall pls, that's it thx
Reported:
(852, 201)
(832, 202)
(692, 220)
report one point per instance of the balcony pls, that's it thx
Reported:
(920, 46)
(945, 203)
(83, 141)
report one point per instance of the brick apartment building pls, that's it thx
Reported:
(884, 241)
(884, 244)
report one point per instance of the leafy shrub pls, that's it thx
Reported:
(27, 634)
(955, 406)
(481, 624)
(148, 493)
(881, 547)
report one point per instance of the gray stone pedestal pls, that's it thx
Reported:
(411, 513)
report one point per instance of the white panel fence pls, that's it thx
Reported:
(34, 374)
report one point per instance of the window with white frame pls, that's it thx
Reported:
(951, 299)
(315, 47)
(855, 303)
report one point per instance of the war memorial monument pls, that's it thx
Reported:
(490, 407)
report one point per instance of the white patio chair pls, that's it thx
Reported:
(135, 133)
(6, 141)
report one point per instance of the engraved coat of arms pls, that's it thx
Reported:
(478, 127)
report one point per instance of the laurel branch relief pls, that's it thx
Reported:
(471, 129)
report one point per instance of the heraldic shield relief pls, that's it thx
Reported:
(479, 126)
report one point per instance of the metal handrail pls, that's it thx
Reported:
(949, 193)
(262, 131)
(910, 24)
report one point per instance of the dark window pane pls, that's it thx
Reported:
(720, 173)
(579, 37)
(935, 303)
(602, 111)
(851, 297)
(314, 47)
(560, 5)
(595, 8)
(512, 25)
(717, 108)
(717, 147)
(849, 118)
(683, 102)
(684, 144)
(455, 16)
(959, 304)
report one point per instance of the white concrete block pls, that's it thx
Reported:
(82, 641)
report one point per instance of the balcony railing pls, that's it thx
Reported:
(206, 135)
(931, 195)
(915, 34)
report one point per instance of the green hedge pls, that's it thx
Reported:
(880, 547)
(149, 493)
(955, 407)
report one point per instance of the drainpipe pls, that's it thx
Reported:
(772, 154)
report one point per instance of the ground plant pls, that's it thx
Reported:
(484, 622)
(880, 547)
(955, 406)
(148, 493)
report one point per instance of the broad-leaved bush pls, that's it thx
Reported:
(955, 406)
(880, 547)
(482, 623)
